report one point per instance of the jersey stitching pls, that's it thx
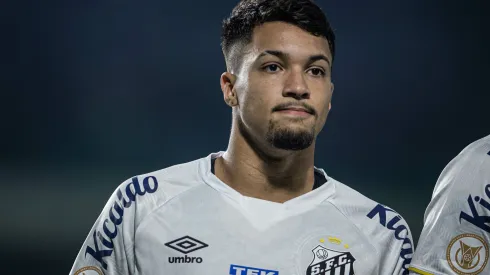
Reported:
(355, 225)
(144, 219)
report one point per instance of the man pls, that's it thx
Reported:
(456, 230)
(261, 207)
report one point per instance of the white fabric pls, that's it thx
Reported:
(330, 230)
(463, 184)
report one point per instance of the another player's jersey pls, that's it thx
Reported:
(183, 220)
(456, 234)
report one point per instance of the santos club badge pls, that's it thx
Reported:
(467, 254)
(326, 261)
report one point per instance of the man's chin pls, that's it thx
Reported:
(290, 139)
(291, 147)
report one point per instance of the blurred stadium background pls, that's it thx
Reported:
(94, 92)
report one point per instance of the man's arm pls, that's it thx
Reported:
(404, 243)
(456, 233)
(109, 247)
(395, 240)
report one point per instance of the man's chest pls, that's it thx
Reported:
(230, 241)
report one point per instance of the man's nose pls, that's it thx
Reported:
(295, 86)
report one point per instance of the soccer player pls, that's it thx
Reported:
(261, 207)
(456, 230)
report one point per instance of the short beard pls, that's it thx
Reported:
(288, 139)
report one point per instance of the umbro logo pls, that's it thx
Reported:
(186, 245)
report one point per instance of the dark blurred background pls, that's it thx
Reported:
(94, 92)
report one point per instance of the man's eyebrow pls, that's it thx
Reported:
(283, 55)
(317, 57)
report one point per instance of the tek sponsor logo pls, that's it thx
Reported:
(245, 270)
(327, 261)
(467, 254)
(398, 225)
(103, 240)
(185, 245)
(481, 221)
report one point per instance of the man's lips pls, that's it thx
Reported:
(294, 111)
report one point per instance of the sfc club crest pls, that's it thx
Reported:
(330, 262)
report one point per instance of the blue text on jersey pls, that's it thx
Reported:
(245, 270)
(407, 246)
(116, 214)
(481, 221)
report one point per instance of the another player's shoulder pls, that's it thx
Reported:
(472, 163)
(475, 153)
(457, 214)
(478, 147)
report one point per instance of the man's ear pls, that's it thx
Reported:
(331, 92)
(227, 82)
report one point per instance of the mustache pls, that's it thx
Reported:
(288, 105)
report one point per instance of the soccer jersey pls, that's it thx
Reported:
(456, 230)
(183, 220)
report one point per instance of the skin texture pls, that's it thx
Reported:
(270, 154)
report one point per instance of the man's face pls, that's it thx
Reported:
(284, 86)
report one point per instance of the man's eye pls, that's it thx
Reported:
(271, 68)
(317, 72)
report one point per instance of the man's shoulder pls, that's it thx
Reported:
(478, 147)
(467, 169)
(385, 228)
(174, 179)
(184, 175)
(457, 209)
(374, 218)
(153, 189)
(473, 154)
(354, 201)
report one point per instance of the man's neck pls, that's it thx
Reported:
(253, 174)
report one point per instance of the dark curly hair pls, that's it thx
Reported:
(238, 28)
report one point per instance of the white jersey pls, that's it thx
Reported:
(456, 230)
(183, 220)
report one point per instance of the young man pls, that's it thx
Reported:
(456, 232)
(261, 207)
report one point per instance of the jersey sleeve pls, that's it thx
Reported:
(398, 248)
(383, 227)
(109, 247)
(456, 230)
(405, 248)
(391, 236)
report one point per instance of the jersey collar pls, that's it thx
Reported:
(313, 197)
